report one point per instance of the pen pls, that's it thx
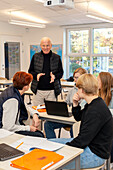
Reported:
(19, 145)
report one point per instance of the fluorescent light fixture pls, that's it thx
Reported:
(98, 17)
(28, 24)
(23, 15)
(40, 1)
(103, 10)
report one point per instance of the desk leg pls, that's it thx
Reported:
(41, 124)
(77, 163)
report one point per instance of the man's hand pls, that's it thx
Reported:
(76, 98)
(35, 121)
(39, 75)
(33, 129)
(52, 77)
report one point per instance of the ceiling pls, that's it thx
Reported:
(53, 16)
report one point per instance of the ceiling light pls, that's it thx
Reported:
(23, 15)
(29, 24)
(98, 17)
(99, 7)
(40, 1)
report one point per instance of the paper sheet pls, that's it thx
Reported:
(4, 133)
(37, 142)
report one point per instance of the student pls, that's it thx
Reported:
(13, 110)
(77, 73)
(95, 135)
(49, 126)
(105, 80)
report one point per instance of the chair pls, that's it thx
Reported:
(3, 78)
(67, 128)
(108, 164)
(105, 166)
(97, 168)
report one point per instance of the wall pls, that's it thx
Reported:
(28, 36)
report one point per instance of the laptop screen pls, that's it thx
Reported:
(57, 108)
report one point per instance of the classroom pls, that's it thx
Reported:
(80, 32)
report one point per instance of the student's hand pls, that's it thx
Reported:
(76, 98)
(39, 75)
(52, 77)
(36, 120)
(33, 129)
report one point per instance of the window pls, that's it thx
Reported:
(90, 48)
(103, 41)
(102, 64)
(78, 41)
(76, 62)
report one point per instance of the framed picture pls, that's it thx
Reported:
(56, 48)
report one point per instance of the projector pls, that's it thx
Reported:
(68, 4)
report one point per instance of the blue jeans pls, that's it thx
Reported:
(87, 159)
(49, 128)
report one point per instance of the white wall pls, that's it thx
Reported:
(28, 36)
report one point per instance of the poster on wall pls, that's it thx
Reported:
(55, 48)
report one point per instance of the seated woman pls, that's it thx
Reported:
(49, 126)
(69, 99)
(105, 80)
(96, 122)
(13, 110)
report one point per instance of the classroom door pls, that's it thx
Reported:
(12, 58)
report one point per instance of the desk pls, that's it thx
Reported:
(69, 153)
(63, 84)
(67, 84)
(59, 119)
(6, 82)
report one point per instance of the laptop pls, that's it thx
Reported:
(8, 152)
(57, 108)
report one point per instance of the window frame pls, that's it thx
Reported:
(90, 53)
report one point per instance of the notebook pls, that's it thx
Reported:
(8, 152)
(37, 159)
(57, 108)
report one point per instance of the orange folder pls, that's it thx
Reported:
(39, 110)
(38, 159)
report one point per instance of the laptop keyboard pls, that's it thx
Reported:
(5, 153)
(8, 152)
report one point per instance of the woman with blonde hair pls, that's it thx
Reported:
(105, 80)
(96, 122)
